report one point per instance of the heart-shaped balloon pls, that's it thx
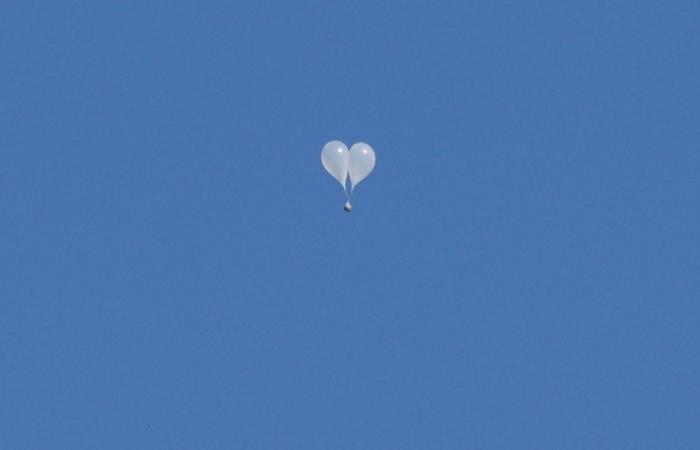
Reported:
(358, 163)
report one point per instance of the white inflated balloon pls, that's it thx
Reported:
(335, 159)
(362, 161)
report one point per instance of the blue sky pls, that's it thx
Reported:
(519, 271)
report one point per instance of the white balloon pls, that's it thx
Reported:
(362, 161)
(335, 159)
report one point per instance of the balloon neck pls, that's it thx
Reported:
(347, 207)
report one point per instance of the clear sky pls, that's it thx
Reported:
(520, 271)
